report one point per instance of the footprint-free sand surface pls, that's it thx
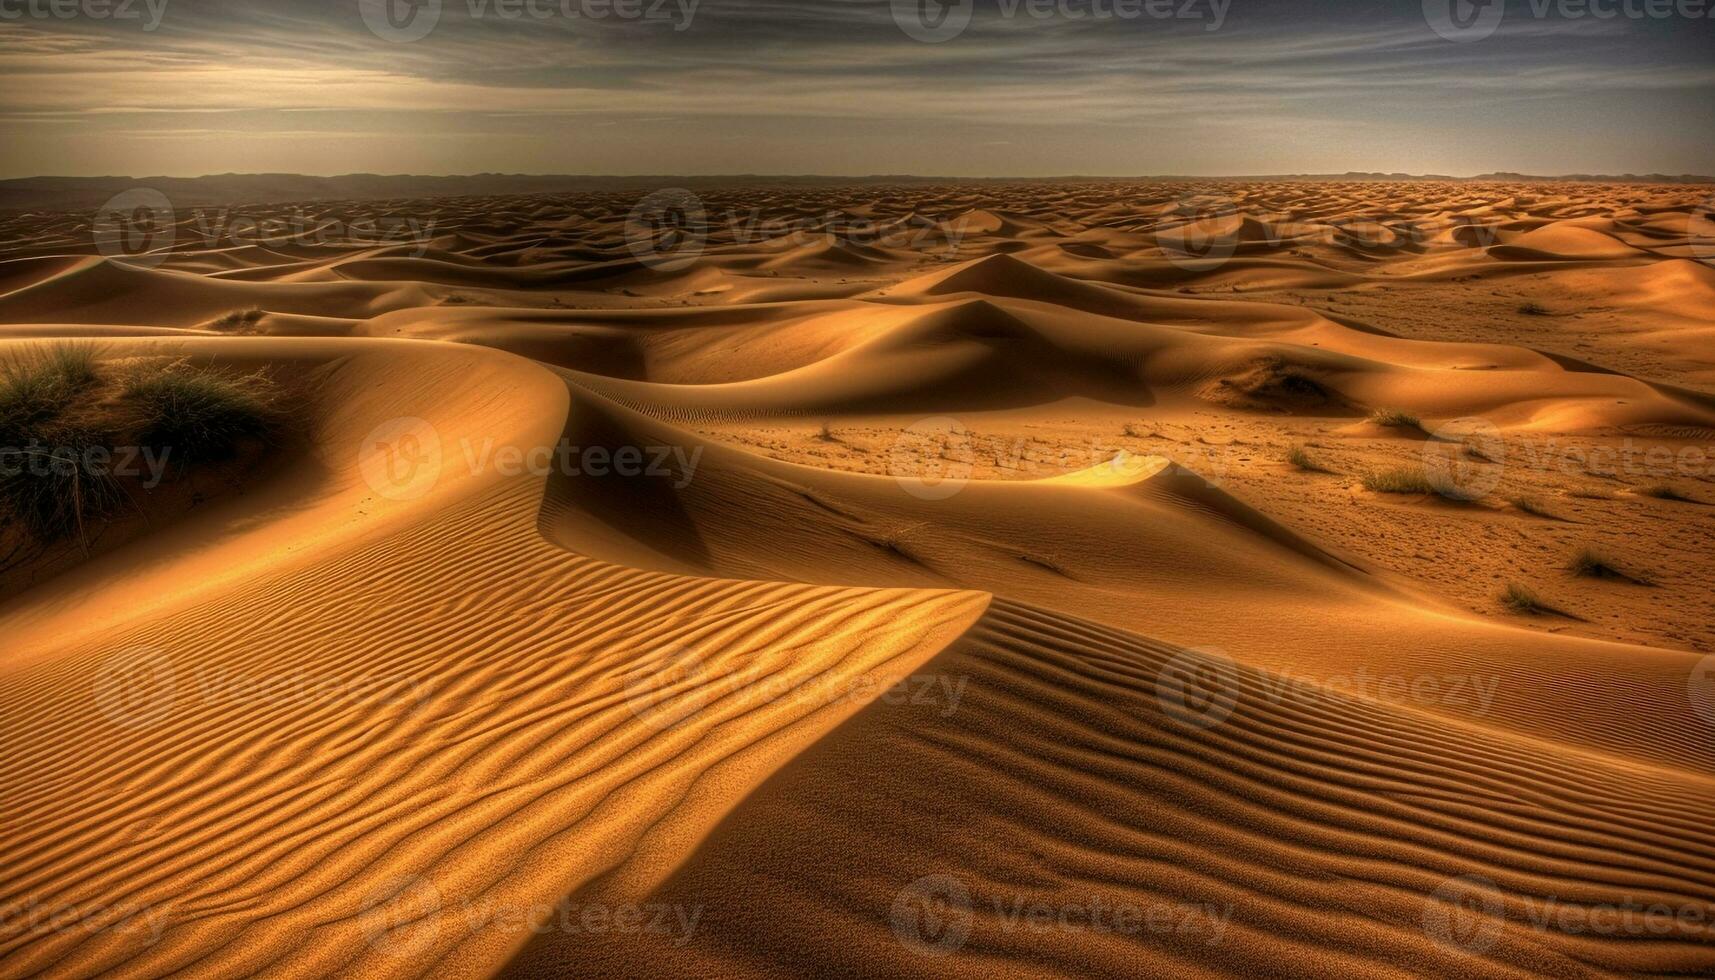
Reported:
(960, 580)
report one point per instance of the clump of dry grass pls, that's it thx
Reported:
(197, 415)
(1272, 382)
(45, 441)
(34, 389)
(1591, 562)
(1520, 599)
(1662, 491)
(1396, 418)
(1412, 480)
(65, 425)
(49, 486)
(1531, 505)
(240, 321)
(1299, 456)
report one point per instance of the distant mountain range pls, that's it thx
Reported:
(72, 193)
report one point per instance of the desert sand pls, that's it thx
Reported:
(970, 581)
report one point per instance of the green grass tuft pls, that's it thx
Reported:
(49, 486)
(35, 390)
(65, 424)
(44, 482)
(198, 416)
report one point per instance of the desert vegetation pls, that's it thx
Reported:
(82, 441)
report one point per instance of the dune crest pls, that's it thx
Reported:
(1036, 579)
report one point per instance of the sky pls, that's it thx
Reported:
(855, 87)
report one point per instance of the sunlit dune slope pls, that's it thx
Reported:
(1207, 578)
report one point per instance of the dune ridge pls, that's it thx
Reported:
(990, 557)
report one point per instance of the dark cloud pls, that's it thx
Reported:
(839, 86)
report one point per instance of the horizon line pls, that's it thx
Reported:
(1628, 175)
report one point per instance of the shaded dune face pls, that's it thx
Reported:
(1164, 840)
(968, 580)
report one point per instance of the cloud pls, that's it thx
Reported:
(770, 63)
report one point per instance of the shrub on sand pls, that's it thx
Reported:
(1407, 480)
(1591, 562)
(35, 390)
(198, 416)
(1395, 418)
(64, 424)
(1531, 505)
(1300, 457)
(1401, 480)
(49, 487)
(1662, 491)
(240, 320)
(1522, 600)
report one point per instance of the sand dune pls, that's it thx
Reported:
(1298, 836)
(901, 580)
